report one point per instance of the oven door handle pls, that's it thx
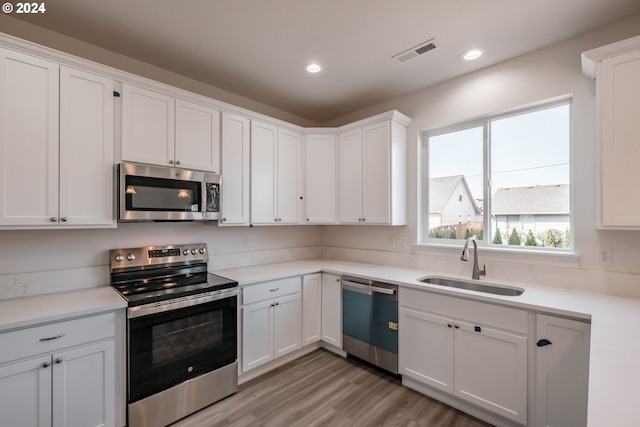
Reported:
(178, 303)
(366, 289)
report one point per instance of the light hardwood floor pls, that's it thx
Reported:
(323, 389)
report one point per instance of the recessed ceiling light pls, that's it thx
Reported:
(472, 54)
(314, 68)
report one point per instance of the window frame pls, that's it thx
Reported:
(485, 123)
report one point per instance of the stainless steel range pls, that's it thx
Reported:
(181, 331)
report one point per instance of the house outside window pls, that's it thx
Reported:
(504, 179)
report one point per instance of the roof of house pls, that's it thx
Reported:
(541, 199)
(441, 190)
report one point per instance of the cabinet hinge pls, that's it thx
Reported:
(116, 94)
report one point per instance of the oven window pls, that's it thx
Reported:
(168, 348)
(159, 194)
(192, 335)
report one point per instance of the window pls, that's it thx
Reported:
(504, 179)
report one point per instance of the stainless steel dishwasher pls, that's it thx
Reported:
(370, 321)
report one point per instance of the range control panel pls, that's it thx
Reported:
(155, 255)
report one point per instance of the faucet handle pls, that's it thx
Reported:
(483, 272)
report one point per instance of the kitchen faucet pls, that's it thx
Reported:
(465, 256)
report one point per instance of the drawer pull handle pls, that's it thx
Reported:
(543, 342)
(52, 338)
(59, 360)
(46, 364)
(273, 290)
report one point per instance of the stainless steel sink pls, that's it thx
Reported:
(473, 286)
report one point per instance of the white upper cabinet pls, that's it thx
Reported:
(148, 120)
(275, 175)
(350, 176)
(616, 68)
(86, 148)
(162, 130)
(56, 136)
(29, 121)
(197, 137)
(320, 179)
(235, 170)
(372, 173)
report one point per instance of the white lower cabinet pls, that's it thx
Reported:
(311, 308)
(474, 351)
(562, 371)
(332, 310)
(70, 384)
(271, 319)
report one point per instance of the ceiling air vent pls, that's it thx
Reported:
(415, 51)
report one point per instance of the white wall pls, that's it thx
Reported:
(544, 74)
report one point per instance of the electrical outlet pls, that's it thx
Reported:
(402, 242)
(246, 241)
(605, 256)
(392, 242)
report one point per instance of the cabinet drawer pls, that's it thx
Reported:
(506, 318)
(55, 336)
(272, 289)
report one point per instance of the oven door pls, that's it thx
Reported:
(170, 347)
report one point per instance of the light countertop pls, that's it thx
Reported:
(614, 376)
(43, 308)
(615, 321)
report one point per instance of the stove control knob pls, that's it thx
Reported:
(185, 252)
(202, 250)
(131, 257)
(193, 251)
(119, 258)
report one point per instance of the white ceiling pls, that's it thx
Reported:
(259, 48)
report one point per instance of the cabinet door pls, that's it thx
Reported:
(320, 173)
(490, 369)
(332, 310)
(620, 101)
(286, 324)
(350, 177)
(264, 140)
(288, 189)
(86, 148)
(197, 137)
(426, 348)
(148, 126)
(25, 393)
(376, 175)
(235, 170)
(29, 117)
(311, 308)
(257, 334)
(84, 386)
(562, 372)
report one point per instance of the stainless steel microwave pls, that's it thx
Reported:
(156, 193)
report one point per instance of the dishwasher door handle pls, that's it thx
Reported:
(366, 289)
